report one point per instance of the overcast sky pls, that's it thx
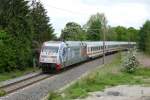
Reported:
(118, 12)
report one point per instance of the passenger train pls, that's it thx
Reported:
(56, 55)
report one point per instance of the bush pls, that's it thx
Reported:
(15, 53)
(130, 62)
(54, 96)
(2, 93)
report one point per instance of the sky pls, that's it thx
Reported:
(128, 13)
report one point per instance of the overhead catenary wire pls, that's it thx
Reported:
(69, 11)
(66, 10)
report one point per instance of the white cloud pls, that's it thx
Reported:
(118, 12)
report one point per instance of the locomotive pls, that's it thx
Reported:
(56, 55)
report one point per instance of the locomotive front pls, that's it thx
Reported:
(49, 57)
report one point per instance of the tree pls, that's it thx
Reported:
(144, 37)
(42, 28)
(21, 26)
(96, 26)
(111, 35)
(15, 21)
(73, 31)
(121, 33)
(132, 34)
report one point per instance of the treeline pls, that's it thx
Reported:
(24, 26)
(97, 25)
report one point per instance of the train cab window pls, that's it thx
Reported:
(50, 49)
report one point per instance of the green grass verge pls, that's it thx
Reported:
(106, 76)
(9, 75)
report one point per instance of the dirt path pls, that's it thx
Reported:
(144, 59)
(121, 92)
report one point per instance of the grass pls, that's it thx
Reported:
(9, 75)
(107, 76)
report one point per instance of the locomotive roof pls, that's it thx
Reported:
(91, 43)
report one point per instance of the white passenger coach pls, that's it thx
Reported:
(56, 55)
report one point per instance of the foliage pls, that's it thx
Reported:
(54, 96)
(132, 34)
(111, 34)
(144, 37)
(120, 33)
(17, 29)
(130, 62)
(41, 27)
(73, 31)
(2, 93)
(95, 27)
(15, 21)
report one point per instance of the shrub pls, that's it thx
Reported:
(2, 93)
(130, 62)
(54, 96)
(15, 52)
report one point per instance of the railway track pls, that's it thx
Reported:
(12, 87)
